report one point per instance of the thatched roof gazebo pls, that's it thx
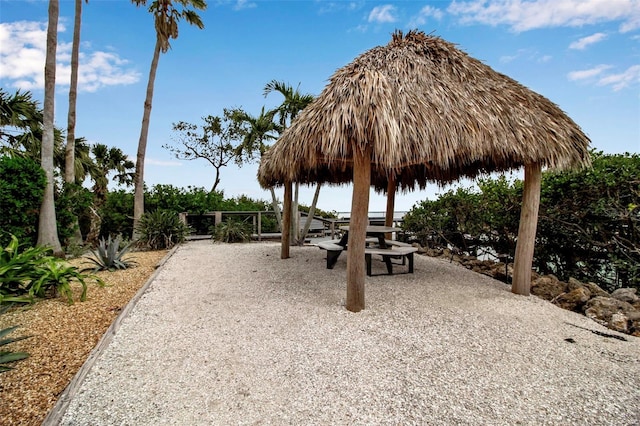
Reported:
(420, 110)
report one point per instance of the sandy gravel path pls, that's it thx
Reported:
(232, 335)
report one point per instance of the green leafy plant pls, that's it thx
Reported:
(56, 278)
(32, 272)
(22, 183)
(110, 256)
(18, 269)
(232, 231)
(161, 229)
(7, 356)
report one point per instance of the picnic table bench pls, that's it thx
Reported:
(397, 250)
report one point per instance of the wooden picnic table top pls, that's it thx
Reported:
(378, 229)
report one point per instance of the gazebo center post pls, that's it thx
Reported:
(523, 258)
(358, 228)
(286, 221)
(391, 203)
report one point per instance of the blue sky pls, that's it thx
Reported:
(584, 55)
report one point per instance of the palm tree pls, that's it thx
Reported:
(293, 103)
(166, 18)
(258, 130)
(106, 160)
(69, 175)
(18, 113)
(47, 227)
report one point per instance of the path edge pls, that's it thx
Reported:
(55, 415)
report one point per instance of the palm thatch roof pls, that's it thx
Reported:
(430, 112)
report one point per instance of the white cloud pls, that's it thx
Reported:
(622, 80)
(383, 14)
(530, 55)
(423, 16)
(586, 74)
(523, 15)
(582, 43)
(599, 76)
(23, 51)
(244, 4)
(161, 163)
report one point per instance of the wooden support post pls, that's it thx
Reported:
(259, 226)
(391, 201)
(527, 230)
(358, 229)
(217, 218)
(286, 221)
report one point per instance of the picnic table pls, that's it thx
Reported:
(376, 244)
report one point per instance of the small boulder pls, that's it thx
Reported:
(626, 295)
(602, 309)
(573, 284)
(595, 289)
(619, 322)
(573, 300)
(547, 287)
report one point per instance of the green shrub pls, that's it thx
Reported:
(7, 356)
(56, 277)
(72, 203)
(116, 214)
(19, 269)
(33, 272)
(161, 229)
(22, 183)
(232, 231)
(110, 256)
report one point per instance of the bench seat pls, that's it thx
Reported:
(398, 252)
(333, 252)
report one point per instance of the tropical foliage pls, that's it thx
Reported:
(109, 256)
(215, 141)
(33, 272)
(7, 356)
(161, 229)
(588, 228)
(232, 231)
(22, 183)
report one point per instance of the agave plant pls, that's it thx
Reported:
(9, 356)
(109, 256)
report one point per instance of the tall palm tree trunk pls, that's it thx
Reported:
(47, 227)
(312, 211)
(69, 159)
(138, 200)
(276, 208)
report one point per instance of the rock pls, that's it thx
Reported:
(619, 322)
(626, 295)
(573, 284)
(573, 300)
(602, 310)
(421, 250)
(595, 290)
(547, 287)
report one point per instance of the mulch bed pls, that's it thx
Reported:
(62, 337)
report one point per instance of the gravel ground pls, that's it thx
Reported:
(233, 335)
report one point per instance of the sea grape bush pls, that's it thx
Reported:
(588, 225)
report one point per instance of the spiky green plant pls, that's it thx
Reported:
(109, 256)
(161, 229)
(232, 231)
(7, 356)
(18, 268)
(56, 277)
